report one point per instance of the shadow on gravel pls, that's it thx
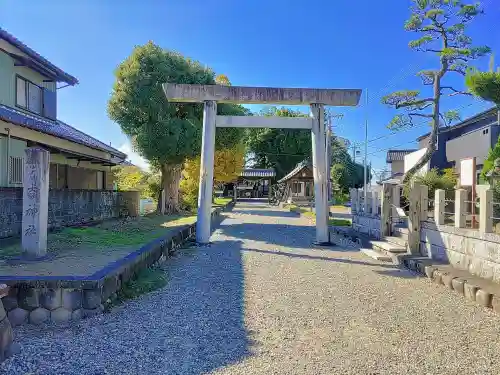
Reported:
(401, 273)
(327, 259)
(268, 213)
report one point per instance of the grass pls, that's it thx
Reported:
(108, 235)
(145, 281)
(307, 213)
(222, 201)
(339, 207)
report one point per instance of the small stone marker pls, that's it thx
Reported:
(35, 202)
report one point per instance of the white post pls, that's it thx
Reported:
(460, 211)
(385, 212)
(320, 174)
(35, 202)
(439, 204)
(375, 203)
(235, 192)
(368, 203)
(206, 173)
(486, 211)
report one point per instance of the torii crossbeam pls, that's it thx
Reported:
(316, 98)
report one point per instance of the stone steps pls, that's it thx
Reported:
(400, 241)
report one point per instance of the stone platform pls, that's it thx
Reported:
(41, 298)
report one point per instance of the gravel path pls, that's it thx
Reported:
(261, 301)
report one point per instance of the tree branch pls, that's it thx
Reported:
(414, 103)
(420, 115)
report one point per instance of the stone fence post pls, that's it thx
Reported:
(439, 204)
(386, 211)
(396, 199)
(486, 211)
(417, 202)
(354, 200)
(460, 207)
(35, 202)
(368, 203)
(424, 205)
(375, 203)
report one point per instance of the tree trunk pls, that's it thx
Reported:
(431, 147)
(170, 179)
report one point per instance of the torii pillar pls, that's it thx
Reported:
(210, 95)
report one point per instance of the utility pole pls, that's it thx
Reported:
(366, 151)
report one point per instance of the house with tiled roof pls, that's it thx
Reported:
(29, 84)
(396, 159)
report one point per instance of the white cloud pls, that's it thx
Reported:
(134, 157)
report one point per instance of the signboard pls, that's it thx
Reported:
(412, 159)
(468, 172)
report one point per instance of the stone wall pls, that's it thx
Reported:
(68, 207)
(50, 299)
(465, 249)
(369, 225)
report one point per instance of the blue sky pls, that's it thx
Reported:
(322, 43)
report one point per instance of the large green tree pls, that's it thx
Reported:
(282, 149)
(164, 133)
(441, 25)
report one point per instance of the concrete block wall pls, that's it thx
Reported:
(465, 249)
(369, 225)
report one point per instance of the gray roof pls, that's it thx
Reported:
(397, 155)
(56, 128)
(249, 172)
(297, 169)
(36, 61)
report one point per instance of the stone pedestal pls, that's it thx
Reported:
(35, 202)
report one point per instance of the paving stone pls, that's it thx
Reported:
(9, 303)
(18, 316)
(39, 316)
(60, 315)
(76, 315)
(51, 298)
(495, 303)
(483, 297)
(29, 298)
(429, 271)
(447, 280)
(458, 285)
(71, 299)
(470, 291)
(438, 276)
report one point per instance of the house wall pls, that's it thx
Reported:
(67, 208)
(439, 159)
(80, 175)
(477, 142)
(8, 72)
(397, 167)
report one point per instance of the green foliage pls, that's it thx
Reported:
(488, 164)
(434, 180)
(344, 172)
(485, 85)
(145, 281)
(280, 149)
(132, 178)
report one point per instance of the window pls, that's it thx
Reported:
(16, 170)
(486, 131)
(297, 188)
(28, 95)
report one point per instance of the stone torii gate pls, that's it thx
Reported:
(211, 94)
